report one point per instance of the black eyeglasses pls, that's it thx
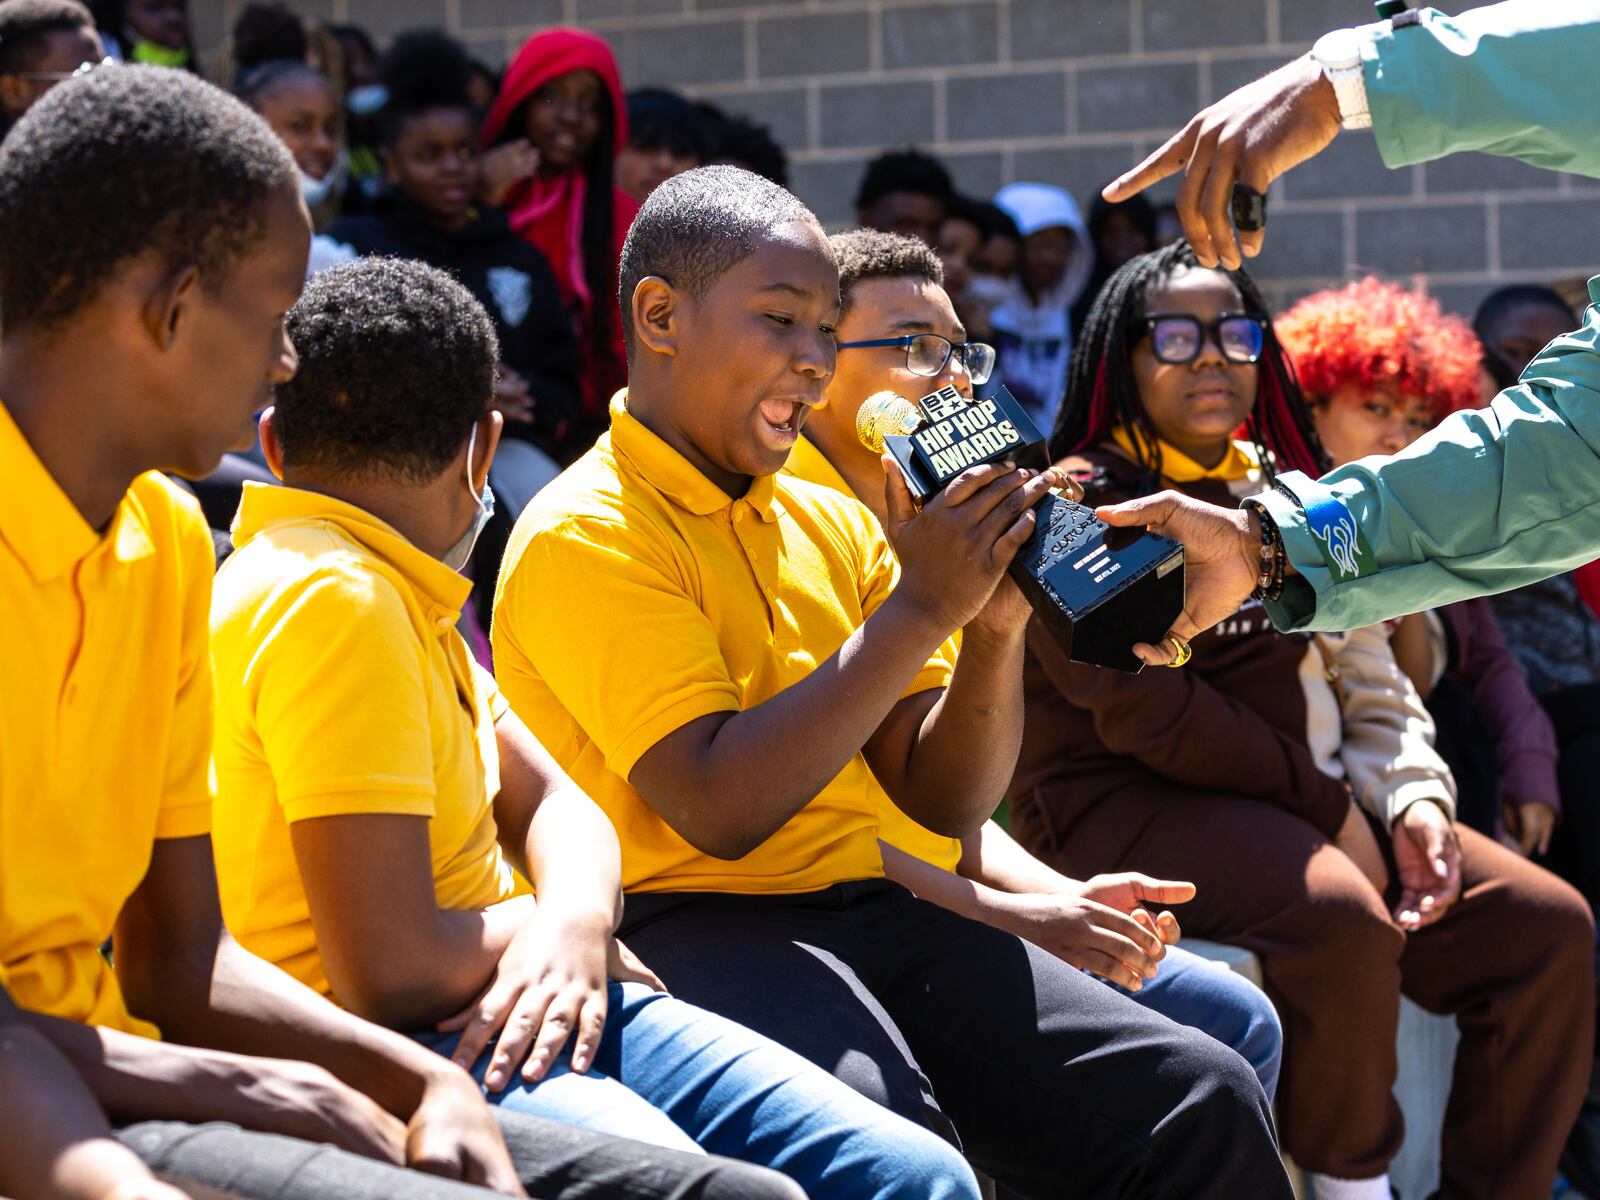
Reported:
(1177, 338)
(927, 354)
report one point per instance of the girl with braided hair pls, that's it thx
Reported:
(1292, 779)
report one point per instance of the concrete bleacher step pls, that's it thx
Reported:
(1425, 1046)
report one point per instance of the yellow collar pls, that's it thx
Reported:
(808, 463)
(1239, 462)
(263, 508)
(42, 525)
(673, 475)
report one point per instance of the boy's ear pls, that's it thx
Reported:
(271, 447)
(169, 304)
(656, 312)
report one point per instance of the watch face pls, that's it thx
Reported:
(1338, 49)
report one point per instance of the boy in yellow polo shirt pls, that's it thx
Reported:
(733, 663)
(153, 238)
(374, 792)
(898, 332)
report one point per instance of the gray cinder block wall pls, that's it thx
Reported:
(1063, 91)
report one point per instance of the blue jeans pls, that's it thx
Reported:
(678, 1076)
(1207, 996)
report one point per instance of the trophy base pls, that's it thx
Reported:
(1096, 588)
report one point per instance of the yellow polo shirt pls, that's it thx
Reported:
(635, 597)
(808, 463)
(105, 721)
(344, 688)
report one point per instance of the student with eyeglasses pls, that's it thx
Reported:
(1293, 779)
(1113, 926)
(42, 42)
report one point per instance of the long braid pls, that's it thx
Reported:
(1102, 394)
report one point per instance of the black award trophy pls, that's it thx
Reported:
(1097, 589)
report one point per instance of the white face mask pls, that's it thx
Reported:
(315, 191)
(457, 557)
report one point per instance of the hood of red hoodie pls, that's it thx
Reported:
(549, 55)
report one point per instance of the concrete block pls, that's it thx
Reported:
(1006, 105)
(812, 44)
(980, 175)
(601, 10)
(1082, 170)
(1400, 242)
(877, 114)
(940, 35)
(829, 189)
(1069, 28)
(485, 14)
(1464, 298)
(1185, 25)
(384, 18)
(1476, 174)
(707, 5)
(1302, 246)
(672, 55)
(1561, 235)
(783, 110)
(1228, 74)
(1155, 97)
(1304, 21)
(1350, 168)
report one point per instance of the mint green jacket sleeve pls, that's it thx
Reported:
(1520, 79)
(1488, 501)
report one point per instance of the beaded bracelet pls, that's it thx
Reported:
(1274, 565)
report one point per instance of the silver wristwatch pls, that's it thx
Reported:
(1339, 55)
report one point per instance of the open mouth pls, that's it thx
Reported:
(781, 416)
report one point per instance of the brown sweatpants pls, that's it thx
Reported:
(1512, 960)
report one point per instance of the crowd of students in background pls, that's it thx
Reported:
(513, 579)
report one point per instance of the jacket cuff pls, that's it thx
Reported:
(1390, 804)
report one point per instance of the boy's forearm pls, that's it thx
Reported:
(258, 1009)
(993, 858)
(775, 758)
(573, 858)
(966, 751)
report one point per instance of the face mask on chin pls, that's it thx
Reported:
(315, 191)
(457, 557)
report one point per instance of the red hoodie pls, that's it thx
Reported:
(549, 212)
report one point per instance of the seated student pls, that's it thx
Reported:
(180, 284)
(891, 291)
(429, 135)
(552, 135)
(376, 797)
(42, 42)
(1033, 321)
(666, 136)
(1381, 365)
(738, 141)
(1291, 778)
(722, 658)
(905, 191)
(301, 105)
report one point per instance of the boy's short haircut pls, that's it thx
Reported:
(699, 225)
(908, 170)
(662, 119)
(122, 161)
(397, 361)
(24, 25)
(873, 254)
(267, 31)
(423, 69)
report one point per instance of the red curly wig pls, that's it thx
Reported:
(1381, 335)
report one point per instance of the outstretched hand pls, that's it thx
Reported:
(1220, 557)
(1250, 136)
